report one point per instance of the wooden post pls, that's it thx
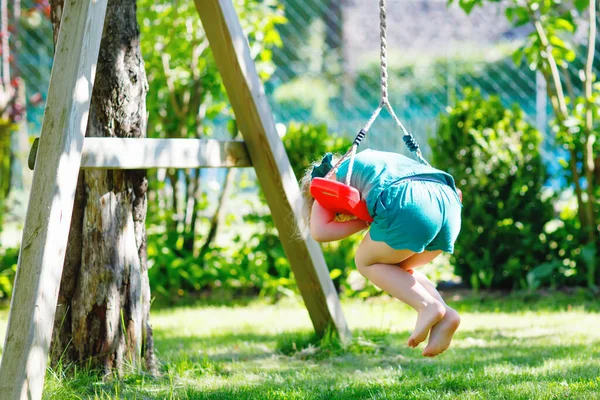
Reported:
(51, 200)
(255, 121)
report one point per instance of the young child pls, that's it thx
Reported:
(416, 212)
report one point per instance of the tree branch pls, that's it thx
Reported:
(539, 28)
(590, 137)
(569, 85)
(561, 114)
(5, 46)
(193, 97)
(171, 85)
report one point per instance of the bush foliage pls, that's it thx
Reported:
(513, 236)
(253, 261)
(8, 269)
(494, 155)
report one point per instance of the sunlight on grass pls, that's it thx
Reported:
(263, 351)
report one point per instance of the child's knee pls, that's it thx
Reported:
(363, 269)
(361, 264)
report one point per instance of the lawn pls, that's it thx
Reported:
(519, 347)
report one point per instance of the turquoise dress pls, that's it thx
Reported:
(414, 206)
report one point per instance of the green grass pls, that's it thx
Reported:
(515, 347)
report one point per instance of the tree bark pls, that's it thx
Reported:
(102, 318)
(56, 9)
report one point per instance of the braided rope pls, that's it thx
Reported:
(383, 50)
(337, 165)
(408, 138)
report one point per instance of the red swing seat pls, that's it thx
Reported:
(340, 198)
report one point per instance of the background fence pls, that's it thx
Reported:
(327, 69)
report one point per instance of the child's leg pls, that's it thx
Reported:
(378, 262)
(442, 332)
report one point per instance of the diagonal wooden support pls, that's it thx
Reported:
(255, 121)
(46, 230)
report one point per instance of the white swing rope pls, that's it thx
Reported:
(409, 140)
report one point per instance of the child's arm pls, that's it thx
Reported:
(323, 228)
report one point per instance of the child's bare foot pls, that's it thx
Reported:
(441, 333)
(428, 317)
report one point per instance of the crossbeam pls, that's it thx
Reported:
(130, 153)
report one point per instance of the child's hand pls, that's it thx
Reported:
(325, 227)
(343, 217)
(459, 194)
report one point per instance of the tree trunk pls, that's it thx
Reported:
(218, 215)
(102, 318)
(195, 192)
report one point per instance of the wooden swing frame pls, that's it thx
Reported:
(63, 150)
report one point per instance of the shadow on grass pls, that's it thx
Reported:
(392, 372)
(498, 362)
(376, 365)
(372, 348)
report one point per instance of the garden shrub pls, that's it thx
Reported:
(306, 143)
(567, 258)
(254, 261)
(494, 155)
(8, 269)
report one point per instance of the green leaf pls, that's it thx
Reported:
(540, 273)
(570, 56)
(581, 5)
(588, 253)
(517, 56)
(563, 163)
(510, 12)
(558, 42)
(335, 273)
(521, 16)
(564, 24)
(468, 5)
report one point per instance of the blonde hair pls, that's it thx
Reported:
(309, 200)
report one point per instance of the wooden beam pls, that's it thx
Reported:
(255, 121)
(119, 153)
(48, 219)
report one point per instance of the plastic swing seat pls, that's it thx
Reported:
(340, 198)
